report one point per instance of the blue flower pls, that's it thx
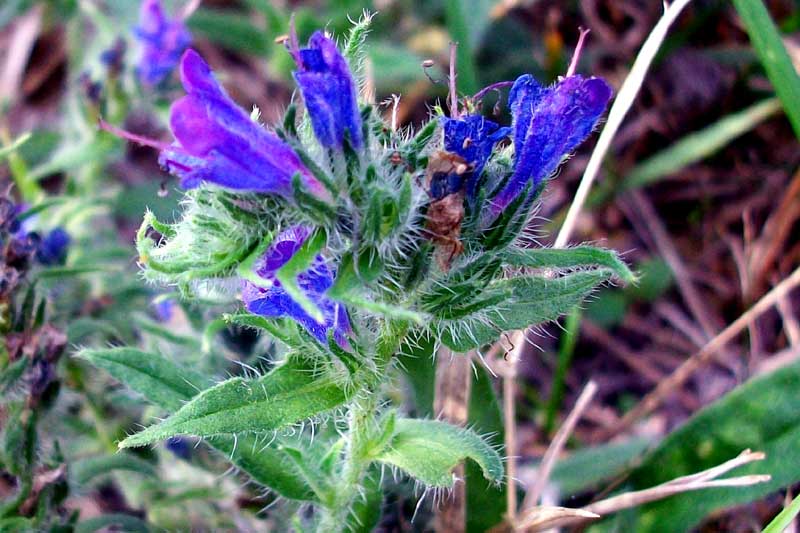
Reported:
(549, 123)
(164, 308)
(472, 137)
(52, 249)
(218, 143)
(273, 301)
(163, 41)
(329, 93)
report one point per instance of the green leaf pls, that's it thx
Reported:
(699, 145)
(534, 300)
(366, 511)
(127, 522)
(784, 519)
(560, 258)
(84, 470)
(231, 30)
(466, 21)
(773, 55)
(763, 414)
(486, 500)
(159, 380)
(429, 450)
(289, 394)
(7, 150)
(162, 383)
(588, 467)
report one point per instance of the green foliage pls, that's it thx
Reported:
(767, 43)
(85, 470)
(785, 518)
(158, 379)
(169, 386)
(526, 300)
(429, 450)
(289, 394)
(763, 415)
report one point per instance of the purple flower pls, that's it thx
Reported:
(329, 93)
(549, 123)
(52, 249)
(218, 143)
(472, 137)
(163, 41)
(273, 301)
(164, 308)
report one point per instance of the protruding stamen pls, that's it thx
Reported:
(573, 65)
(452, 81)
(189, 9)
(493, 87)
(138, 139)
(395, 108)
(294, 43)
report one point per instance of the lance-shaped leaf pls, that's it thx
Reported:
(569, 258)
(85, 470)
(533, 300)
(158, 379)
(291, 393)
(429, 450)
(169, 386)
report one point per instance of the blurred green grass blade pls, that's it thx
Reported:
(784, 518)
(588, 467)
(230, 30)
(699, 145)
(762, 414)
(458, 14)
(773, 55)
(105, 522)
(5, 151)
(84, 470)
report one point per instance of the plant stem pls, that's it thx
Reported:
(362, 427)
(356, 459)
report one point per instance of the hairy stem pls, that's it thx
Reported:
(362, 429)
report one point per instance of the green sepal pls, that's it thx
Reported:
(280, 328)
(417, 145)
(290, 120)
(507, 227)
(349, 288)
(321, 211)
(350, 361)
(429, 450)
(420, 266)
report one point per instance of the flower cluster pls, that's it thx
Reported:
(163, 40)
(21, 243)
(443, 181)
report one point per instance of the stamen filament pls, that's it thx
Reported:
(573, 65)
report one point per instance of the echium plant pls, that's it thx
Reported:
(347, 240)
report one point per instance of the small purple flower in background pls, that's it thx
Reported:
(163, 41)
(180, 447)
(329, 92)
(164, 308)
(273, 301)
(53, 247)
(549, 123)
(217, 142)
(472, 137)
